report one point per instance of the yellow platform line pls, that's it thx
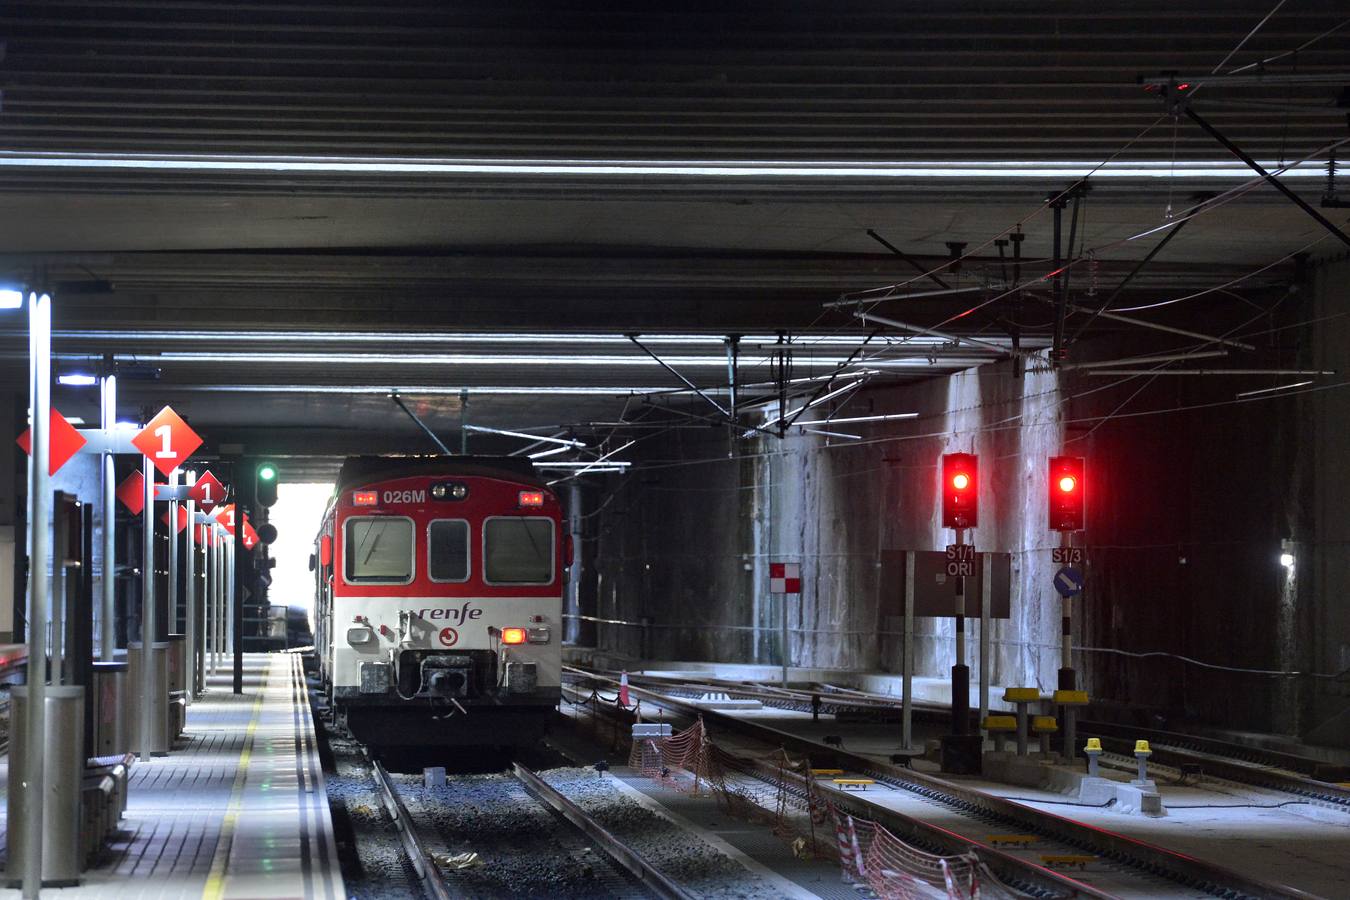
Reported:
(215, 882)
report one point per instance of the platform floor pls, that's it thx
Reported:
(238, 809)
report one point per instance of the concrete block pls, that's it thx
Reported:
(1133, 799)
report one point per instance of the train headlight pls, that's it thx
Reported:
(360, 636)
(449, 490)
(513, 635)
(539, 634)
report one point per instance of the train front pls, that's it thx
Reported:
(445, 607)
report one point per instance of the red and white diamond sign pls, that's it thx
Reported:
(207, 492)
(132, 492)
(250, 539)
(167, 441)
(785, 578)
(63, 442)
(182, 519)
(225, 516)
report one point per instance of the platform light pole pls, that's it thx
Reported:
(148, 684)
(190, 594)
(39, 562)
(108, 583)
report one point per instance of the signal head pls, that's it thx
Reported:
(960, 490)
(265, 481)
(1066, 493)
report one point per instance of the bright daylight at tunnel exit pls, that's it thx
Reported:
(584, 451)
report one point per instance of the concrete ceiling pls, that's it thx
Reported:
(451, 181)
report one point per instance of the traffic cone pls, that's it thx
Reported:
(623, 690)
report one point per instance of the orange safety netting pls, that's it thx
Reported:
(781, 791)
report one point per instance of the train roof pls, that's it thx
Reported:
(359, 470)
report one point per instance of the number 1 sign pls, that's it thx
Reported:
(208, 492)
(167, 441)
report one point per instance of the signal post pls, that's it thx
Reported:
(1066, 493)
(961, 750)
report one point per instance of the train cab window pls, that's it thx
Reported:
(378, 550)
(448, 550)
(518, 550)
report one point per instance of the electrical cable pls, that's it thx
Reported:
(1242, 43)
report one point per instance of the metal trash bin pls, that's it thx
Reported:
(158, 700)
(112, 729)
(62, 784)
(177, 686)
(177, 662)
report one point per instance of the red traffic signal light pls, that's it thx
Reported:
(1066, 493)
(960, 490)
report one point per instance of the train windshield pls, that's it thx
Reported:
(379, 550)
(518, 550)
(448, 550)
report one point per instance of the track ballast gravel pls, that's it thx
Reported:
(374, 863)
(680, 855)
(524, 848)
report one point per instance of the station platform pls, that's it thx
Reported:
(238, 809)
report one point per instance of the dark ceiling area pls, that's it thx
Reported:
(288, 211)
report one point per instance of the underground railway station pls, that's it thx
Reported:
(815, 450)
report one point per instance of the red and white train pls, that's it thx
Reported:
(438, 607)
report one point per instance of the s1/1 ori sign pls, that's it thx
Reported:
(933, 586)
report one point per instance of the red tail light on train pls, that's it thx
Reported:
(531, 498)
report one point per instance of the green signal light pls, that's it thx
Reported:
(267, 472)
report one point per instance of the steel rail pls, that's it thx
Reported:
(1012, 870)
(1302, 765)
(421, 860)
(615, 849)
(1150, 858)
(1023, 875)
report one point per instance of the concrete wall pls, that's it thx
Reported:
(1192, 491)
(1314, 621)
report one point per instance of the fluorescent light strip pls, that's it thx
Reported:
(572, 168)
(800, 341)
(404, 390)
(449, 359)
(880, 418)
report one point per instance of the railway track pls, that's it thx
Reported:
(1147, 867)
(640, 878)
(1255, 767)
(419, 857)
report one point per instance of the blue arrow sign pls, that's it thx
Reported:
(1069, 581)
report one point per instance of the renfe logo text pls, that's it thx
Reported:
(457, 615)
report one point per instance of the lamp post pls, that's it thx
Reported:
(39, 561)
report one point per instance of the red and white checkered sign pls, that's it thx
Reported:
(785, 578)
